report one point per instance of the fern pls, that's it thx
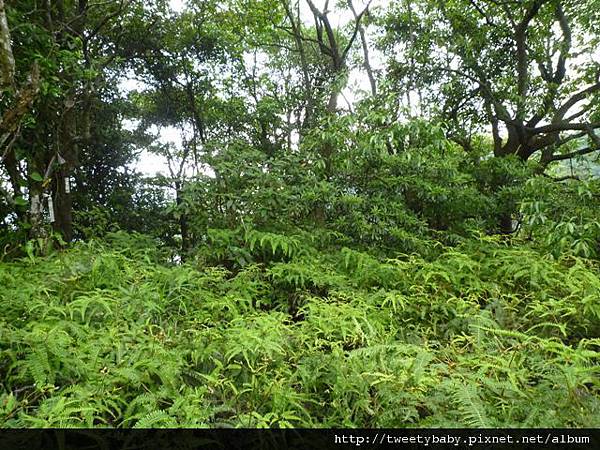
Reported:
(155, 419)
(465, 338)
(469, 405)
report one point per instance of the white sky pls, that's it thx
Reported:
(177, 5)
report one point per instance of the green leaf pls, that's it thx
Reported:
(20, 201)
(35, 176)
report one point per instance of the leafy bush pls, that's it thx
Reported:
(563, 217)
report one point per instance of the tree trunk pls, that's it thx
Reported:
(505, 223)
(183, 225)
(7, 60)
(67, 158)
(11, 166)
(63, 205)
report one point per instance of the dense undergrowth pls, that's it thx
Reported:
(299, 332)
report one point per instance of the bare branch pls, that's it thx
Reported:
(581, 152)
(322, 21)
(365, 47)
(569, 138)
(357, 28)
(560, 72)
(576, 98)
(564, 126)
(522, 60)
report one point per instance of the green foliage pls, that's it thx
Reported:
(482, 335)
(297, 263)
(563, 217)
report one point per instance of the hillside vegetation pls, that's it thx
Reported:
(310, 335)
(299, 213)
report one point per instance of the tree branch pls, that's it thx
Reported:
(576, 98)
(560, 72)
(483, 14)
(322, 21)
(487, 92)
(564, 126)
(520, 37)
(581, 152)
(555, 79)
(357, 28)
